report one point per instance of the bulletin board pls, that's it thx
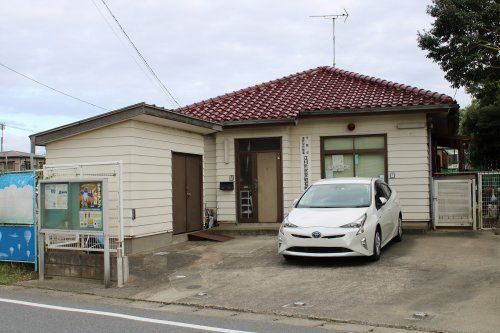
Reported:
(77, 205)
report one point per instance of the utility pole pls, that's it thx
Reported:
(333, 17)
(2, 126)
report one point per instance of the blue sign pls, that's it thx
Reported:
(18, 243)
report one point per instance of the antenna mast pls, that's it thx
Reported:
(333, 17)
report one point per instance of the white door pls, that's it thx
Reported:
(454, 202)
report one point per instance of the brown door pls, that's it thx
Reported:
(186, 192)
(267, 186)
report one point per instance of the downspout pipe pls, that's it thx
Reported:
(431, 180)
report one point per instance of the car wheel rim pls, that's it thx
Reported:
(377, 243)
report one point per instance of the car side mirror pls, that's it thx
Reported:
(382, 200)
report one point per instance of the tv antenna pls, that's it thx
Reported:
(333, 17)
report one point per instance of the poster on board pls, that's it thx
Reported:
(90, 214)
(56, 196)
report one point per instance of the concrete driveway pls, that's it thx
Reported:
(441, 281)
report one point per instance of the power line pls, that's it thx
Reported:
(17, 128)
(162, 85)
(122, 42)
(52, 88)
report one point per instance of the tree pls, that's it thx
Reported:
(464, 40)
(482, 125)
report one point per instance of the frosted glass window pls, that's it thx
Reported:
(369, 142)
(338, 143)
(339, 166)
(370, 165)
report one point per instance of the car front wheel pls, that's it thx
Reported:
(399, 235)
(377, 246)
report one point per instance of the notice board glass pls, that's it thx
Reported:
(73, 205)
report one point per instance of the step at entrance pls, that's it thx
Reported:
(207, 236)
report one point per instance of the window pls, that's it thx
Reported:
(379, 193)
(387, 191)
(354, 156)
(336, 196)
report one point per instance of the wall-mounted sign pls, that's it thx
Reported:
(305, 161)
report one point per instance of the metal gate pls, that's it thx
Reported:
(454, 203)
(489, 199)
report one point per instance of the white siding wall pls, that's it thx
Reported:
(146, 151)
(407, 156)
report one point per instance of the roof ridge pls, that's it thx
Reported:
(390, 84)
(251, 88)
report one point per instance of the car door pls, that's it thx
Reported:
(383, 213)
(392, 209)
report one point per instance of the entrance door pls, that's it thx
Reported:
(259, 180)
(186, 192)
(267, 186)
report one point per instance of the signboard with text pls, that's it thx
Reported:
(305, 162)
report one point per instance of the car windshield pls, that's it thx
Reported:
(336, 196)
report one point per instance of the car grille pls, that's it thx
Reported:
(301, 236)
(317, 249)
(333, 236)
(327, 237)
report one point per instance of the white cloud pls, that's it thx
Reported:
(16, 204)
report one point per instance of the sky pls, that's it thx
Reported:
(199, 49)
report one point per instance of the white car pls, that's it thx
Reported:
(342, 217)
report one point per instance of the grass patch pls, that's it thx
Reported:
(11, 272)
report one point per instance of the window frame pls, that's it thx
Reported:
(353, 151)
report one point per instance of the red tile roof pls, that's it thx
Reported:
(319, 89)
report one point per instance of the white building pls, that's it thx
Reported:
(250, 153)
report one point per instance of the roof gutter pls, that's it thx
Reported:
(382, 110)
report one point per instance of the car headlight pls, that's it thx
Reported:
(287, 224)
(359, 224)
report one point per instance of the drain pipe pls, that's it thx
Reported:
(431, 180)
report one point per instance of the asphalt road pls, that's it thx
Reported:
(30, 310)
